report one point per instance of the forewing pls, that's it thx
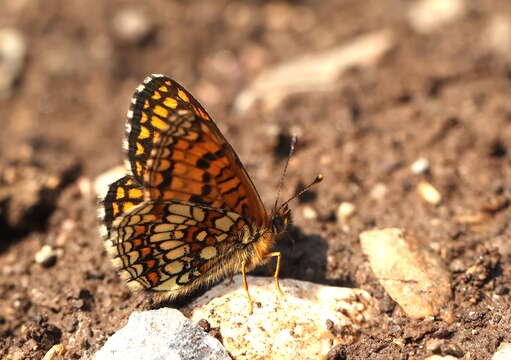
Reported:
(166, 245)
(176, 152)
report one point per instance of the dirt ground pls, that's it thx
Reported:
(443, 96)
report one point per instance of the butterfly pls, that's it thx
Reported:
(187, 213)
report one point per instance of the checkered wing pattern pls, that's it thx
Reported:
(188, 210)
(164, 246)
(122, 195)
(176, 152)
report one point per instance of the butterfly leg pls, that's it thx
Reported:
(277, 270)
(245, 284)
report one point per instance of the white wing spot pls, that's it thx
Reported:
(221, 237)
(164, 227)
(208, 252)
(199, 214)
(178, 252)
(174, 267)
(224, 223)
(180, 209)
(171, 244)
(201, 236)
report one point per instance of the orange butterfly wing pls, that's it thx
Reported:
(176, 152)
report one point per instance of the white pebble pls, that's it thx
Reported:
(419, 166)
(12, 59)
(429, 193)
(426, 16)
(503, 352)
(378, 191)
(344, 212)
(132, 25)
(309, 213)
(46, 256)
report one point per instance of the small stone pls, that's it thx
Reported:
(503, 352)
(452, 349)
(132, 26)
(204, 324)
(438, 357)
(301, 325)
(429, 193)
(55, 352)
(344, 212)
(497, 36)
(426, 16)
(501, 290)
(22, 304)
(84, 186)
(161, 334)
(412, 274)
(386, 304)
(434, 345)
(378, 191)
(309, 213)
(419, 166)
(46, 257)
(457, 265)
(12, 59)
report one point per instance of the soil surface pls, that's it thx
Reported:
(442, 96)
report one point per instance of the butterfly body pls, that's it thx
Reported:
(187, 213)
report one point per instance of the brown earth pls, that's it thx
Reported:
(443, 96)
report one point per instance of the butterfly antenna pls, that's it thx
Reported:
(319, 178)
(281, 181)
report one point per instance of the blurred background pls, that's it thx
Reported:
(383, 95)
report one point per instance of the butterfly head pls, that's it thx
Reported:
(280, 219)
(281, 216)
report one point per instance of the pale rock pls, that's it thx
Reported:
(426, 16)
(503, 352)
(344, 212)
(46, 256)
(55, 352)
(132, 25)
(314, 72)
(12, 59)
(325, 160)
(497, 36)
(378, 191)
(293, 327)
(158, 335)
(434, 345)
(84, 186)
(419, 166)
(309, 213)
(412, 274)
(429, 193)
(102, 181)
